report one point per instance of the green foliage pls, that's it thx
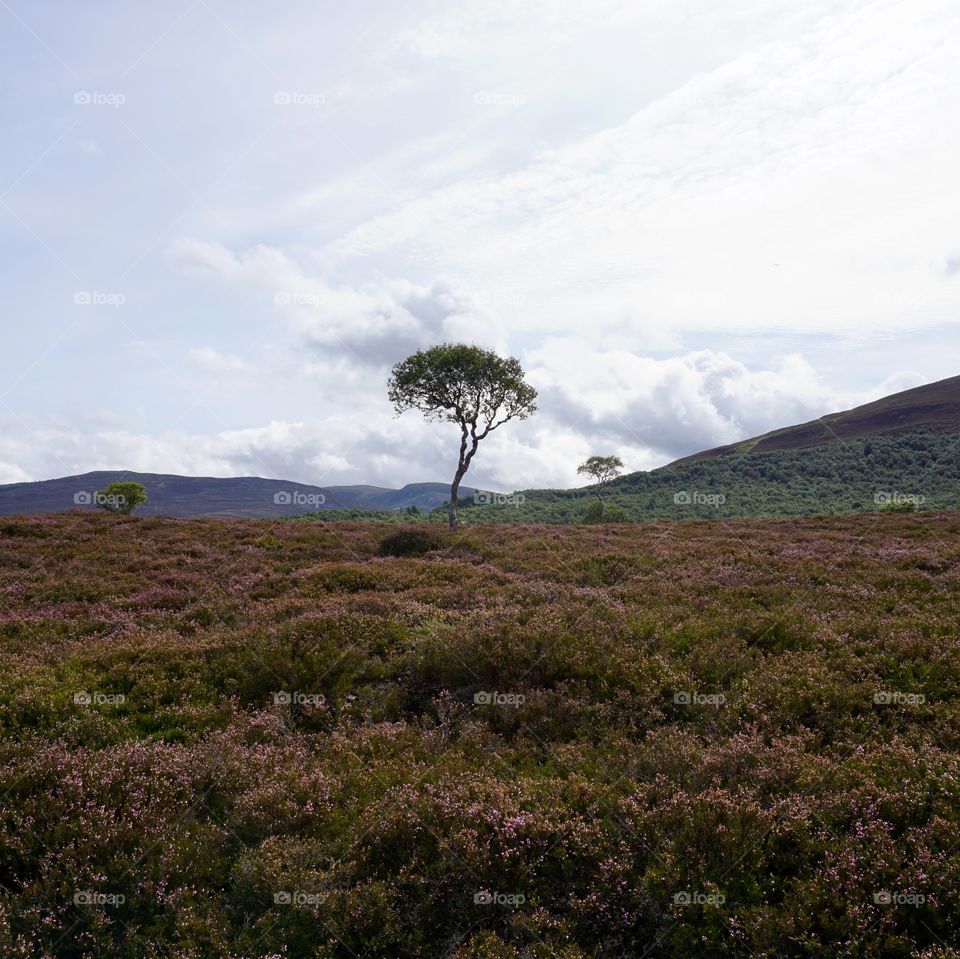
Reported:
(593, 513)
(907, 506)
(474, 388)
(598, 512)
(601, 468)
(410, 541)
(855, 476)
(462, 384)
(121, 497)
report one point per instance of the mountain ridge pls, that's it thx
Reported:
(185, 497)
(931, 406)
(930, 409)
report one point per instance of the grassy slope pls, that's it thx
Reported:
(598, 800)
(933, 406)
(836, 478)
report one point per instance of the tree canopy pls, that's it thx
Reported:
(122, 497)
(602, 469)
(475, 388)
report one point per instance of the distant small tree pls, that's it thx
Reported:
(472, 387)
(602, 469)
(905, 506)
(121, 497)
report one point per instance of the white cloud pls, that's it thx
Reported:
(787, 188)
(656, 410)
(693, 221)
(375, 324)
(11, 473)
(216, 362)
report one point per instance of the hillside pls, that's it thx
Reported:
(260, 739)
(903, 447)
(244, 496)
(931, 407)
(863, 475)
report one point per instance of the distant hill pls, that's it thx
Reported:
(917, 468)
(247, 496)
(932, 407)
(901, 450)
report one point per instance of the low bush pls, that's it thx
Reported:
(608, 513)
(410, 541)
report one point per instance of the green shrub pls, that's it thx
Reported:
(610, 513)
(903, 506)
(121, 498)
(409, 541)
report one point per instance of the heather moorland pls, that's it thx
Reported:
(255, 738)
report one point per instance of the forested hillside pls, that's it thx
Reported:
(918, 469)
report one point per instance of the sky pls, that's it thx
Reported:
(691, 220)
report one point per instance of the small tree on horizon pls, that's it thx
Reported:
(472, 387)
(121, 497)
(603, 469)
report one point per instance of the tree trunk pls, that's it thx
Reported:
(454, 487)
(462, 467)
(454, 490)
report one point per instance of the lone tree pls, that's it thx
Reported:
(474, 388)
(121, 497)
(602, 469)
